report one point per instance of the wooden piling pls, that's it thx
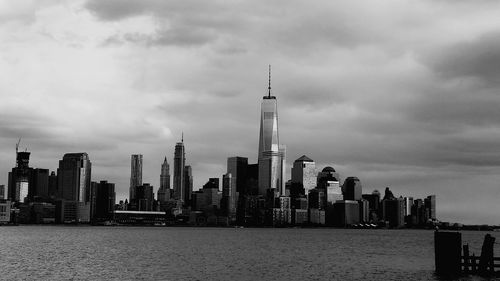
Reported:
(448, 253)
(466, 258)
(486, 259)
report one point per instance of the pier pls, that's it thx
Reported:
(454, 259)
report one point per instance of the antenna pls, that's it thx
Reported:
(17, 145)
(269, 88)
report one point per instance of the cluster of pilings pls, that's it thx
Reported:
(450, 261)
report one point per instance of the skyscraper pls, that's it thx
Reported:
(229, 195)
(179, 164)
(19, 177)
(352, 189)
(164, 190)
(237, 167)
(73, 177)
(188, 184)
(102, 200)
(304, 173)
(135, 174)
(271, 155)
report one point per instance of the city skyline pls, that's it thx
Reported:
(401, 94)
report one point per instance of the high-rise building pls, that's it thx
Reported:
(329, 181)
(188, 184)
(352, 189)
(271, 155)
(144, 197)
(53, 189)
(430, 206)
(304, 174)
(102, 200)
(229, 195)
(38, 185)
(135, 174)
(237, 167)
(165, 175)
(164, 190)
(393, 211)
(2, 191)
(73, 177)
(179, 165)
(19, 178)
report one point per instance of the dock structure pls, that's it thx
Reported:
(453, 259)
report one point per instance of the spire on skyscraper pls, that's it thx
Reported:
(269, 88)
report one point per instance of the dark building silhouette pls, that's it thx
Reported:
(237, 167)
(179, 174)
(144, 197)
(53, 189)
(103, 200)
(430, 206)
(393, 211)
(164, 192)
(352, 189)
(188, 184)
(229, 196)
(18, 185)
(38, 185)
(135, 174)
(73, 177)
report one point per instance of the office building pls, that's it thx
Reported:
(2, 191)
(393, 212)
(352, 189)
(188, 184)
(73, 177)
(229, 196)
(103, 201)
(304, 174)
(38, 185)
(18, 185)
(135, 175)
(53, 189)
(144, 197)
(237, 167)
(271, 155)
(164, 190)
(430, 206)
(345, 213)
(328, 180)
(179, 174)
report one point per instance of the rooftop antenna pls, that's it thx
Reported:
(17, 145)
(17, 149)
(269, 88)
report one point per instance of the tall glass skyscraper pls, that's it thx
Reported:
(73, 177)
(271, 154)
(135, 174)
(179, 165)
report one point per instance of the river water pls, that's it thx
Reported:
(188, 253)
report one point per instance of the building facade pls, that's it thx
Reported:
(179, 166)
(135, 174)
(271, 156)
(304, 173)
(73, 177)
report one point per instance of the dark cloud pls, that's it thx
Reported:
(478, 58)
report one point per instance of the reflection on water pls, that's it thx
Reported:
(168, 253)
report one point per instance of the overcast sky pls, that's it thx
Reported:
(404, 94)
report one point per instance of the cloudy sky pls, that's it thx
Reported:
(404, 94)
